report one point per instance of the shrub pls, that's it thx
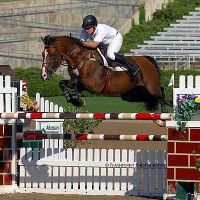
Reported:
(46, 88)
(78, 126)
(142, 14)
(165, 77)
(36, 84)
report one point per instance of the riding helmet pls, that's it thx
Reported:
(89, 21)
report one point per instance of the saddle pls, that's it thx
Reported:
(110, 64)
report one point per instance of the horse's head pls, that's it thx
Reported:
(52, 56)
(58, 49)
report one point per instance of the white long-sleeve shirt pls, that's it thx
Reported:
(107, 35)
(103, 33)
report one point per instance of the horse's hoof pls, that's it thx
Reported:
(78, 102)
(160, 123)
(82, 102)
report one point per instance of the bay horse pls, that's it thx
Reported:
(94, 77)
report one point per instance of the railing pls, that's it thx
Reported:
(176, 62)
(185, 63)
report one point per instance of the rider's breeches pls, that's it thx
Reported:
(114, 46)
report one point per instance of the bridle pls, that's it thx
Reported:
(54, 57)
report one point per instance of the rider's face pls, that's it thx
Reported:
(90, 30)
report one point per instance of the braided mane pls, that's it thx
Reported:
(50, 39)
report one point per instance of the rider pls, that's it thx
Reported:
(102, 33)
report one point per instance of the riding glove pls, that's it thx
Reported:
(78, 41)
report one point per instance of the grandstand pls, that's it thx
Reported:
(24, 22)
(177, 47)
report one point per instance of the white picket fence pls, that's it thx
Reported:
(8, 95)
(93, 171)
(52, 125)
(47, 106)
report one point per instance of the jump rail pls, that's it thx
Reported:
(105, 116)
(33, 135)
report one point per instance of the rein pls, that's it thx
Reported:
(79, 65)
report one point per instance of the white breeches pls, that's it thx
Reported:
(114, 46)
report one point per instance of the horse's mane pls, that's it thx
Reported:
(50, 39)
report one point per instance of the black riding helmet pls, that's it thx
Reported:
(89, 21)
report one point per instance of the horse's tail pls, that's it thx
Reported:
(152, 103)
(153, 61)
(140, 94)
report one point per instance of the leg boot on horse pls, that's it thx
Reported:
(132, 68)
(74, 96)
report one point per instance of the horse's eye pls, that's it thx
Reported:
(52, 55)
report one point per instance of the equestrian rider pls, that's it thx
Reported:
(102, 33)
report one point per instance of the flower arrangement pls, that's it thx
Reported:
(27, 104)
(187, 105)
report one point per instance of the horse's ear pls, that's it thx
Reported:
(70, 34)
(50, 39)
(42, 39)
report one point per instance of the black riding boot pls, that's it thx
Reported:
(133, 69)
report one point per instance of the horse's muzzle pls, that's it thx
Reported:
(44, 74)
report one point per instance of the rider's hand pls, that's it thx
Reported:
(102, 45)
(78, 41)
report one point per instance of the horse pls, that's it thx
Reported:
(87, 72)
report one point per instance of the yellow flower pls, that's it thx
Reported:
(27, 101)
(197, 100)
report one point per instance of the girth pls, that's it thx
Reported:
(106, 80)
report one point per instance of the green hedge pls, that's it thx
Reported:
(36, 84)
(51, 88)
(165, 78)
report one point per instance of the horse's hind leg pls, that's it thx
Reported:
(162, 123)
(162, 101)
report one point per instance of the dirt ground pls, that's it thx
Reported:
(35, 196)
(112, 128)
(129, 127)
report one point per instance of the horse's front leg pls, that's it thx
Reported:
(76, 100)
(74, 84)
(64, 84)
